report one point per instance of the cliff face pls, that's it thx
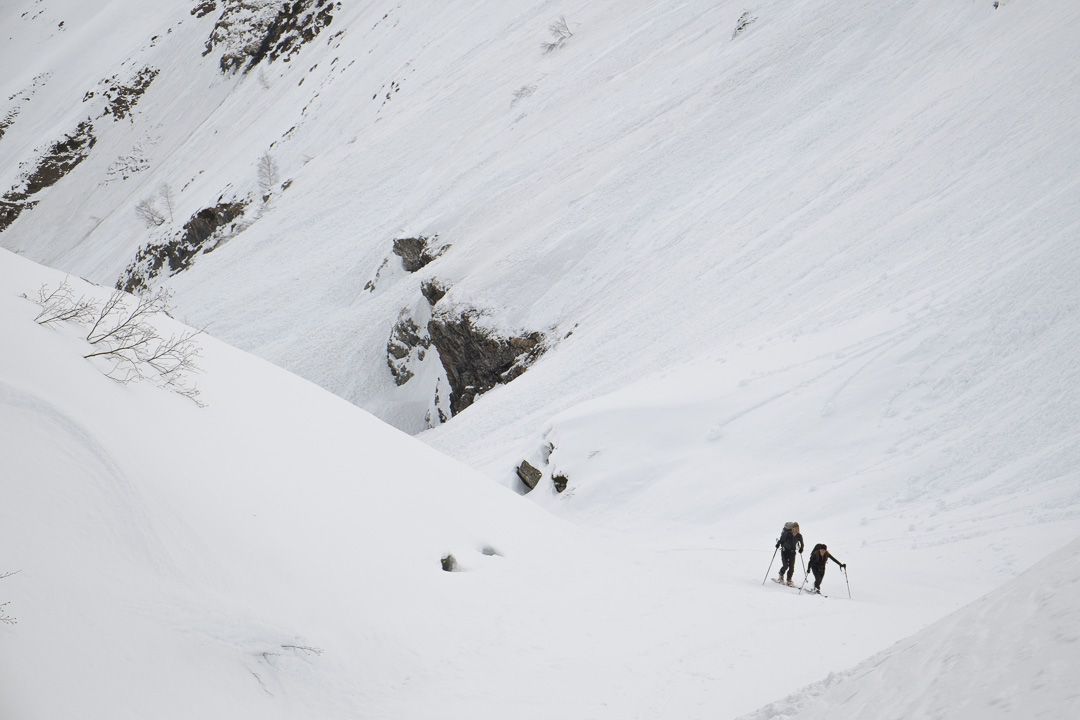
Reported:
(476, 360)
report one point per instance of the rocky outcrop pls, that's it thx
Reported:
(60, 159)
(559, 481)
(529, 475)
(405, 339)
(417, 252)
(476, 359)
(249, 31)
(121, 97)
(19, 100)
(178, 253)
(297, 23)
(433, 291)
(532, 476)
(204, 8)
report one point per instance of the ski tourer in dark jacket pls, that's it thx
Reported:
(790, 541)
(816, 563)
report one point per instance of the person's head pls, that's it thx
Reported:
(823, 549)
(795, 528)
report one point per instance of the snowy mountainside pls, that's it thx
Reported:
(706, 268)
(649, 168)
(280, 552)
(257, 555)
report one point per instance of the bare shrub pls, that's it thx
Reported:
(4, 617)
(122, 334)
(60, 305)
(267, 174)
(120, 331)
(167, 199)
(522, 92)
(152, 210)
(147, 211)
(560, 33)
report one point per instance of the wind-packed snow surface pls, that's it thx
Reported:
(798, 261)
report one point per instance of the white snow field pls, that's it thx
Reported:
(1009, 654)
(795, 261)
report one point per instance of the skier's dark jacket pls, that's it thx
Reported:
(816, 563)
(788, 541)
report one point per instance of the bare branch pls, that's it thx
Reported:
(120, 331)
(268, 174)
(559, 29)
(166, 194)
(115, 322)
(4, 617)
(60, 305)
(523, 92)
(148, 212)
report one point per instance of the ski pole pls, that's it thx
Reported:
(770, 563)
(805, 574)
(805, 577)
(848, 584)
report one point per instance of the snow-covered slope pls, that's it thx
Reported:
(278, 551)
(1011, 654)
(655, 185)
(794, 261)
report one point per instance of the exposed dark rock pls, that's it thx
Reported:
(449, 563)
(475, 359)
(404, 338)
(528, 474)
(7, 121)
(10, 211)
(121, 98)
(370, 284)
(250, 32)
(204, 8)
(62, 158)
(180, 252)
(297, 23)
(560, 482)
(433, 290)
(745, 21)
(58, 161)
(19, 100)
(416, 252)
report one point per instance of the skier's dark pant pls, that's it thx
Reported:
(787, 563)
(818, 575)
